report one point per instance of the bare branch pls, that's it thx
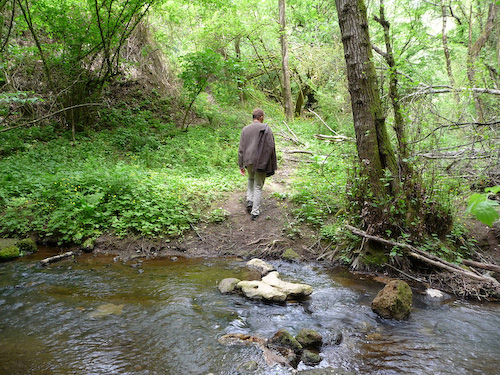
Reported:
(52, 114)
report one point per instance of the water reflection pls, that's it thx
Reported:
(95, 316)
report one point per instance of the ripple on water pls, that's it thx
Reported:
(167, 319)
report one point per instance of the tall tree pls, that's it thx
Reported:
(373, 145)
(446, 50)
(287, 91)
(388, 55)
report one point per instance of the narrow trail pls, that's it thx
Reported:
(238, 235)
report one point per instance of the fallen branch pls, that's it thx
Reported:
(292, 133)
(426, 257)
(59, 257)
(288, 138)
(298, 152)
(484, 266)
(424, 90)
(298, 160)
(324, 123)
(333, 138)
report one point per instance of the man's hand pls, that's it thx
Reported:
(242, 171)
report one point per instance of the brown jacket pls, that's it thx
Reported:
(257, 148)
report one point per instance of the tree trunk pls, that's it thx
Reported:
(25, 9)
(446, 50)
(475, 49)
(373, 145)
(399, 122)
(287, 92)
(237, 49)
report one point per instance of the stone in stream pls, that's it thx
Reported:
(290, 289)
(261, 266)
(106, 309)
(259, 290)
(309, 338)
(394, 301)
(228, 285)
(269, 288)
(287, 346)
(310, 357)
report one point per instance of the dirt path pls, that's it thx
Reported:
(238, 235)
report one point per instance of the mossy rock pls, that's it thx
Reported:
(9, 252)
(310, 358)
(88, 245)
(27, 246)
(290, 255)
(394, 301)
(284, 339)
(309, 338)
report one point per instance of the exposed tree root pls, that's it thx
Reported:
(483, 285)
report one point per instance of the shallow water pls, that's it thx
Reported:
(96, 316)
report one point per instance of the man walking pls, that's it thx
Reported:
(257, 156)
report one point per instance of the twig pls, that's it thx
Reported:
(405, 274)
(200, 237)
(258, 240)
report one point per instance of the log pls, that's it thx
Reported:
(426, 257)
(59, 257)
(484, 266)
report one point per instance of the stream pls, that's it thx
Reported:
(92, 315)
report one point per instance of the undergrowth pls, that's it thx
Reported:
(138, 176)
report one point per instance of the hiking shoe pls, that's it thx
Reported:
(255, 217)
(249, 206)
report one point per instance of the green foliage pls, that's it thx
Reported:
(198, 68)
(218, 215)
(483, 207)
(142, 177)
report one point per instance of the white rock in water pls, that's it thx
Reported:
(434, 293)
(288, 288)
(260, 290)
(263, 267)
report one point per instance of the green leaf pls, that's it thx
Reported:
(493, 190)
(483, 208)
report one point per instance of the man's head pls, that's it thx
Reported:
(258, 114)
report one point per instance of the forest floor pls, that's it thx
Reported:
(237, 235)
(269, 236)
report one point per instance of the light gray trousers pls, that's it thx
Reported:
(255, 183)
